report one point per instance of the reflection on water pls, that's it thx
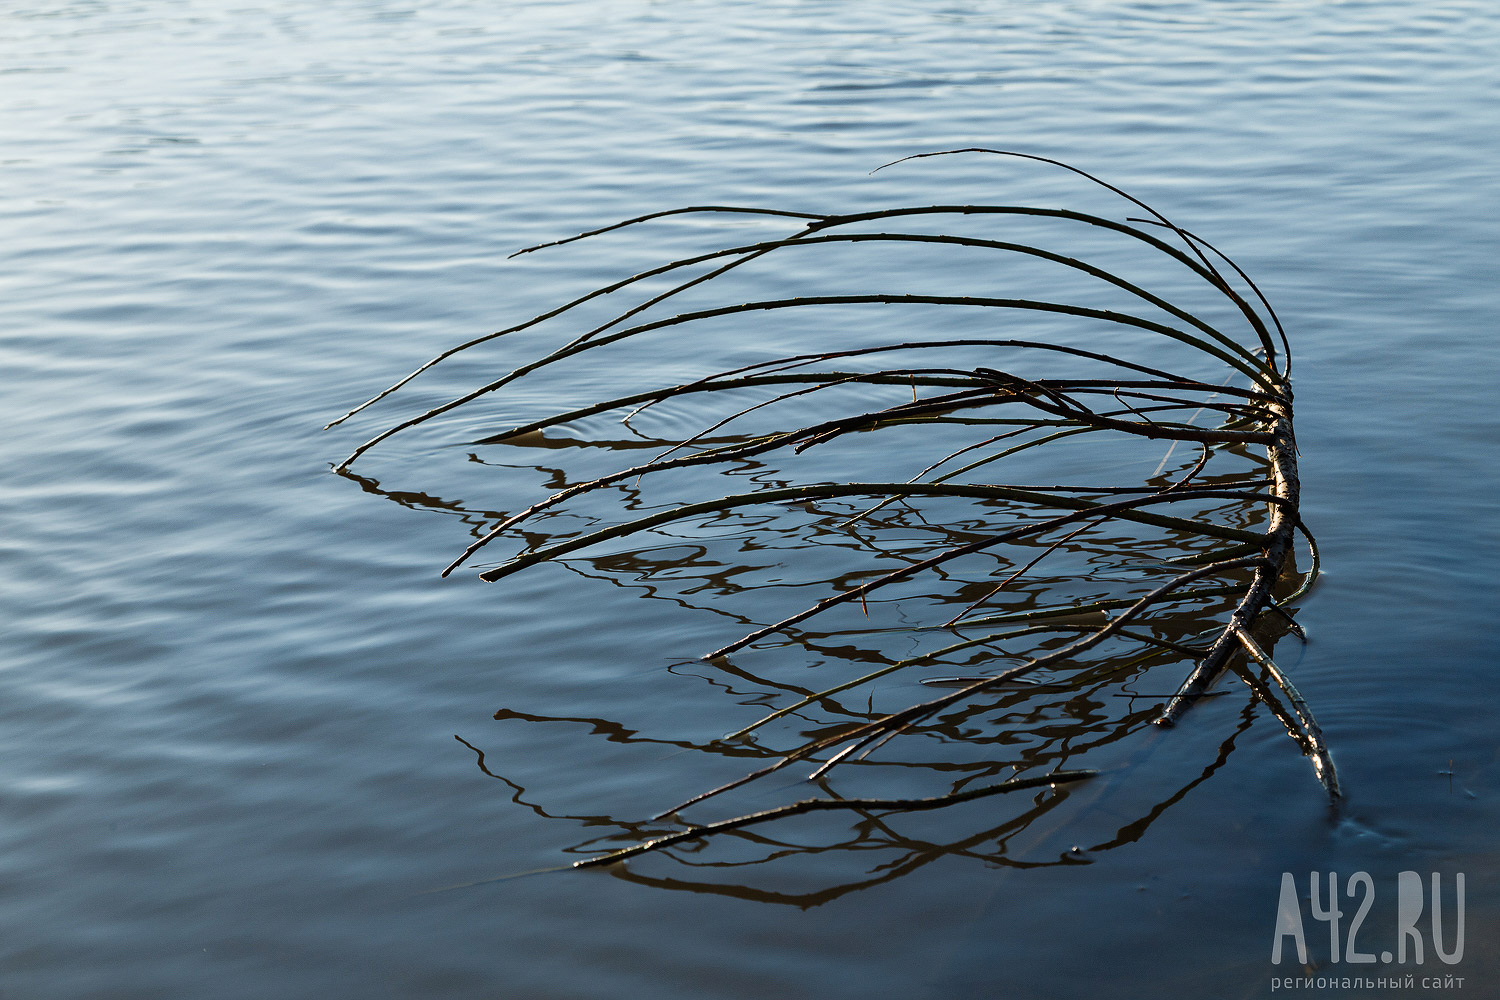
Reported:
(883, 849)
(1060, 720)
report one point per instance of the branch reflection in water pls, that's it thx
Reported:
(1030, 727)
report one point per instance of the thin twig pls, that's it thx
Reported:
(813, 805)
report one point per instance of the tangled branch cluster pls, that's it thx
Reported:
(1247, 572)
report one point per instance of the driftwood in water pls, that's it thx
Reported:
(1248, 573)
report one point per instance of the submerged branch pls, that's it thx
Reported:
(814, 805)
(1123, 396)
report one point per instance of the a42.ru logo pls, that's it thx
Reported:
(1412, 900)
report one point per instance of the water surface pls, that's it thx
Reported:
(232, 680)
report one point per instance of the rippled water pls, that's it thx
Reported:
(231, 680)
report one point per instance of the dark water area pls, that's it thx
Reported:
(230, 680)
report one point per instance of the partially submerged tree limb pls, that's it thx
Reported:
(959, 386)
(1279, 538)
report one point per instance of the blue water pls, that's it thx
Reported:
(230, 681)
